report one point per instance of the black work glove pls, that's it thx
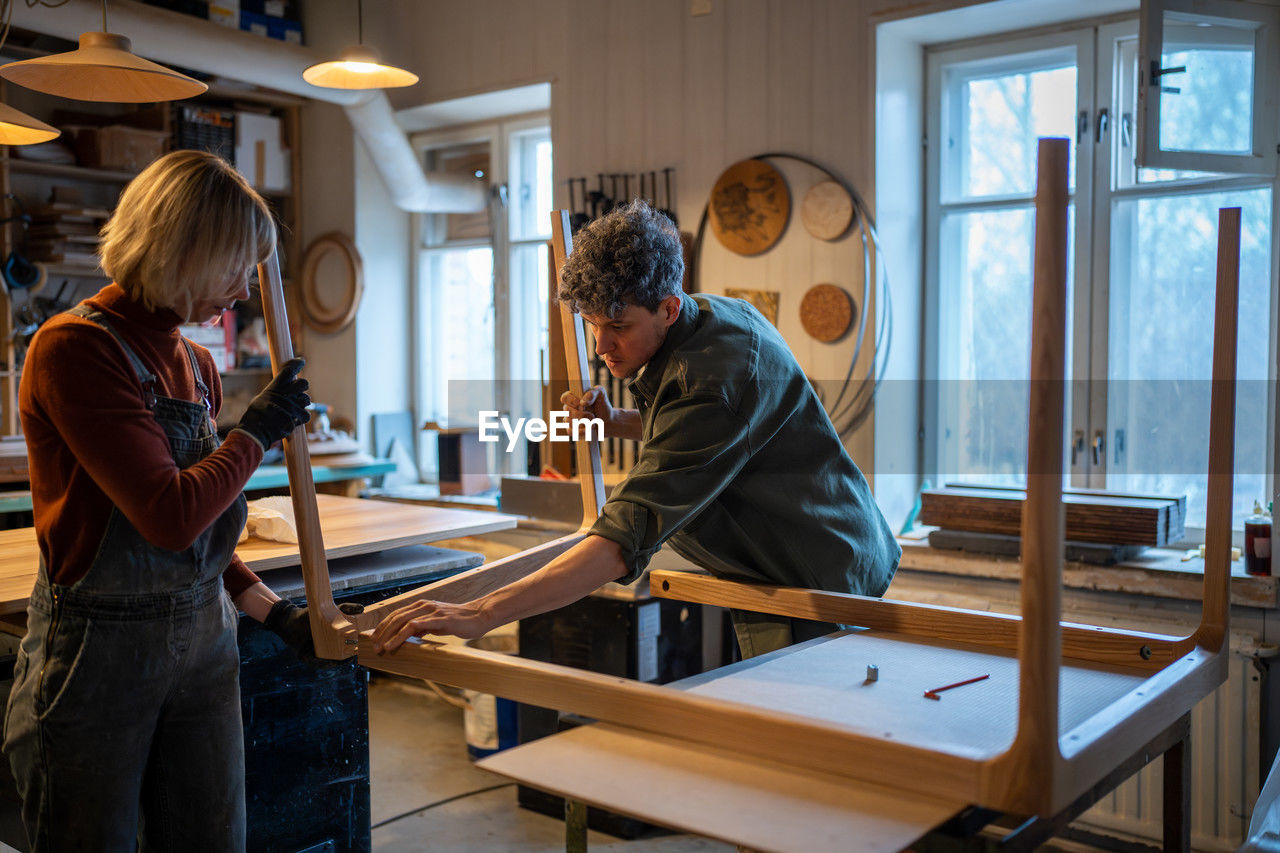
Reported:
(279, 407)
(292, 625)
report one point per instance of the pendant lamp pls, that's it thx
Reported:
(103, 68)
(358, 67)
(18, 128)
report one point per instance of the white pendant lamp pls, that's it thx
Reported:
(18, 128)
(358, 67)
(103, 68)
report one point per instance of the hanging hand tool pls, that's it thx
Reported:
(579, 217)
(626, 189)
(670, 209)
(599, 201)
(613, 189)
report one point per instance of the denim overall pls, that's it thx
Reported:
(123, 727)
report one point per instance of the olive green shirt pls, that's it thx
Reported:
(740, 469)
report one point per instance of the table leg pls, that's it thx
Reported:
(1177, 798)
(575, 826)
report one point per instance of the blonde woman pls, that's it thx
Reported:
(124, 719)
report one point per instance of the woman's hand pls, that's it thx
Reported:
(467, 621)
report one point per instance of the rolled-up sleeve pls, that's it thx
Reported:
(696, 447)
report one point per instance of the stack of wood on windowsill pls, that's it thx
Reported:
(1101, 527)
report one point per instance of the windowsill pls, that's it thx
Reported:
(1159, 572)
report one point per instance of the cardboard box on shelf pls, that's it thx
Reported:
(116, 146)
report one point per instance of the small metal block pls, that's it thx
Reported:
(873, 672)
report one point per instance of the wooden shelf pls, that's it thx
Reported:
(77, 173)
(74, 270)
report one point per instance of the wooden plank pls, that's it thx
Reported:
(333, 635)
(351, 527)
(588, 452)
(1089, 518)
(720, 794)
(949, 624)
(1222, 424)
(1035, 754)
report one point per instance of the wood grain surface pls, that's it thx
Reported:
(827, 210)
(720, 794)
(825, 312)
(350, 526)
(749, 207)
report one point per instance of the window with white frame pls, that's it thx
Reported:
(1141, 266)
(482, 280)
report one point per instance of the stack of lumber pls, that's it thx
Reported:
(1091, 515)
(63, 233)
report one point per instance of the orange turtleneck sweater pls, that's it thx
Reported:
(92, 444)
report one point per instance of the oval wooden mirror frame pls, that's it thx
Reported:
(317, 315)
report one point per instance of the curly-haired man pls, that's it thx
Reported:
(740, 470)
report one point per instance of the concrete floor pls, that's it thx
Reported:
(427, 795)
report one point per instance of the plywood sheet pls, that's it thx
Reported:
(826, 678)
(351, 526)
(715, 793)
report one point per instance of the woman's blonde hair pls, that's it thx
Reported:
(185, 226)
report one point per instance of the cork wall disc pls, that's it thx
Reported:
(749, 207)
(825, 312)
(826, 210)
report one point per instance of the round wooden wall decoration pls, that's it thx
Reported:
(827, 210)
(826, 311)
(749, 207)
(331, 265)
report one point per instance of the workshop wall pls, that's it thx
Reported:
(640, 86)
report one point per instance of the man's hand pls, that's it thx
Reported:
(592, 404)
(430, 617)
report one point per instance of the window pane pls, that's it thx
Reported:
(1003, 118)
(1209, 106)
(464, 287)
(985, 328)
(531, 185)
(1161, 344)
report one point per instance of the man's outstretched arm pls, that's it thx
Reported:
(585, 567)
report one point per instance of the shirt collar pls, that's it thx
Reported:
(116, 300)
(646, 382)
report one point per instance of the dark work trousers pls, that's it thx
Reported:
(761, 633)
(123, 728)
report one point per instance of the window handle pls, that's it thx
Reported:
(1099, 443)
(1077, 446)
(1082, 126)
(1103, 120)
(1126, 129)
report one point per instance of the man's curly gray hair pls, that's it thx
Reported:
(630, 256)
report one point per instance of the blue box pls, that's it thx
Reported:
(281, 29)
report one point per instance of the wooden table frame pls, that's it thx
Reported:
(1044, 769)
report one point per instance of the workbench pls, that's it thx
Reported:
(306, 723)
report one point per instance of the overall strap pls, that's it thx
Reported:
(145, 377)
(195, 373)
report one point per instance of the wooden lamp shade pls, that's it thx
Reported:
(358, 67)
(18, 128)
(103, 68)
